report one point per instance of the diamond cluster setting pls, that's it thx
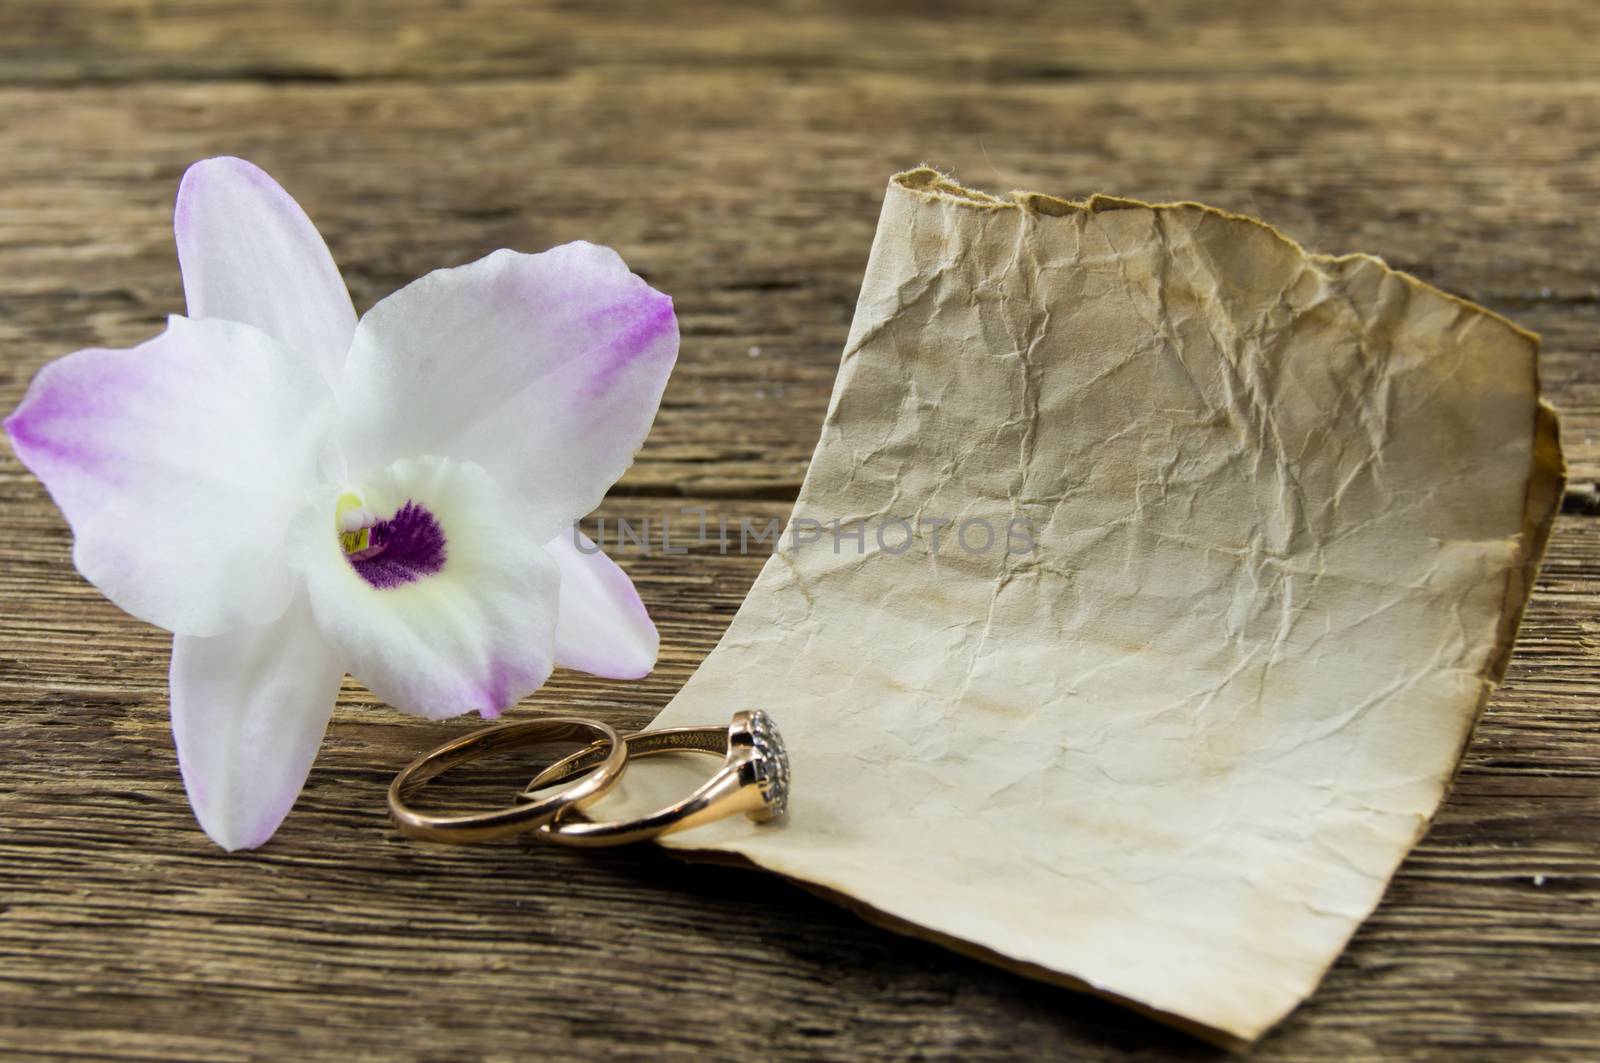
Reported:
(771, 762)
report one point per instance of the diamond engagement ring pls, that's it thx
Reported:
(754, 779)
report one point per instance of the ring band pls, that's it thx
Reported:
(610, 758)
(754, 779)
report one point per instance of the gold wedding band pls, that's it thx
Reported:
(610, 758)
(754, 779)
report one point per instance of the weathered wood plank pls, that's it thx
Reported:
(90, 40)
(122, 925)
(753, 203)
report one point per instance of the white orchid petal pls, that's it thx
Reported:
(603, 627)
(249, 709)
(459, 614)
(249, 253)
(179, 464)
(544, 369)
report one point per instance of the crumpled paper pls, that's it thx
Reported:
(1285, 512)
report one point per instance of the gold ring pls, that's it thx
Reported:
(754, 779)
(610, 758)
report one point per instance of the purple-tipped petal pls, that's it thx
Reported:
(474, 633)
(179, 465)
(603, 627)
(544, 369)
(249, 253)
(248, 712)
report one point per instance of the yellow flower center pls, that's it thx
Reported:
(354, 523)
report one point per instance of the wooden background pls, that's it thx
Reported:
(736, 156)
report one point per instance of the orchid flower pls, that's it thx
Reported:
(296, 494)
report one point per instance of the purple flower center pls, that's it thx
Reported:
(406, 547)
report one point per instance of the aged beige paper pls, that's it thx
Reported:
(1284, 512)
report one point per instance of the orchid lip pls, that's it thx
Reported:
(391, 552)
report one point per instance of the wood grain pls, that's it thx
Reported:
(120, 40)
(737, 158)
